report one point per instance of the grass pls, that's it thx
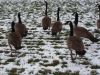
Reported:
(10, 60)
(3, 43)
(53, 38)
(57, 47)
(93, 72)
(66, 73)
(18, 62)
(33, 61)
(5, 63)
(40, 49)
(29, 43)
(61, 57)
(1, 37)
(88, 24)
(40, 42)
(22, 55)
(64, 64)
(31, 72)
(54, 63)
(87, 44)
(44, 72)
(57, 53)
(22, 70)
(37, 44)
(29, 46)
(30, 61)
(95, 67)
(36, 60)
(97, 31)
(85, 62)
(13, 71)
(45, 61)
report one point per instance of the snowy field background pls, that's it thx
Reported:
(43, 54)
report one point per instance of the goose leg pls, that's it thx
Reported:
(71, 54)
(49, 30)
(59, 33)
(10, 48)
(75, 56)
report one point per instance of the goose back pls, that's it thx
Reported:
(14, 38)
(82, 32)
(98, 21)
(46, 21)
(57, 26)
(20, 27)
(75, 43)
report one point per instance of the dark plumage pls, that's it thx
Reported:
(82, 32)
(46, 21)
(99, 7)
(14, 38)
(98, 21)
(57, 26)
(20, 27)
(75, 43)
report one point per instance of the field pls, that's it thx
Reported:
(43, 54)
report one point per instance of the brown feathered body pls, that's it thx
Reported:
(46, 22)
(75, 43)
(21, 28)
(56, 27)
(98, 23)
(15, 40)
(82, 32)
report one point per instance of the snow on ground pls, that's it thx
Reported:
(43, 54)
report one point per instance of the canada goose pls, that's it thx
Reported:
(20, 27)
(98, 21)
(57, 26)
(75, 43)
(46, 21)
(14, 38)
(82, 32)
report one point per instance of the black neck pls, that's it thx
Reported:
(12, 26)
(99, 7)
(58, 14)
(99, 10)
(19, 18)
(71, 29)
(76, 19)
(46, 8)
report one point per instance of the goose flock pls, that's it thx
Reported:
(38, 49)
(74, 41)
